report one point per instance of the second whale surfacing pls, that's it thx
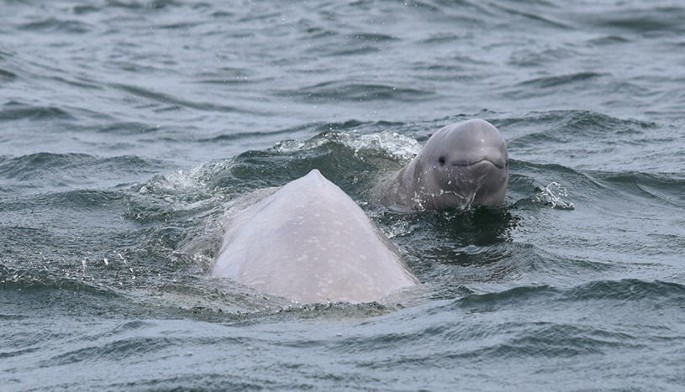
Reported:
(462, 165)
(309, 242)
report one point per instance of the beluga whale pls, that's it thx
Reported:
(309, 242)
(461, 165)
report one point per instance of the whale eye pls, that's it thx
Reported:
(441, 161)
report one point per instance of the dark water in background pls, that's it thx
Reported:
(126, 127)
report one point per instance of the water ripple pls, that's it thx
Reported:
(14, 111)
(357, 92)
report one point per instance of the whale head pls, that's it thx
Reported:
(462, 165)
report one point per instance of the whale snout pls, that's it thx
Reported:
(462, 165)
(470, 164)
(467, 155)
(465, 178)
(474, 183)
(497, 160)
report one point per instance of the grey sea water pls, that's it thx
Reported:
(128, 127)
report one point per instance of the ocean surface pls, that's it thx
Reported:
(128, 126)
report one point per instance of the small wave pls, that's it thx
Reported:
(572, 122)
(57, 25)
(592, 140)
(533, 17)
(530, 57)
(643, 20)
(494, 266)
(560, 80)
(583, 121)
(229, 137)
(169, 99)
(79, 199)
(307, 129)
(228, 76)
(138, 5)
(129, 128)
(463, 12)
(7, 76)
(629, 290)
(12, 317)
(357, 92)
(43, 282)
(357, 44)
(116, 350)
(313, 32)
(55, 171)
(16, 111)
(665, 187)
(33, 166)
(559, 340)
(490, 301)
(355, 51)
(439, 38)
(608, 40)
(666, 293)
(373, 37)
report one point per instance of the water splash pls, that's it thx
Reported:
(553, 195)
(392, 143)
(398, 146)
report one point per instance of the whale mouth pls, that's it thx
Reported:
(499, 163)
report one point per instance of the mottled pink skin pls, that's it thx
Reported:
(311, 243)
